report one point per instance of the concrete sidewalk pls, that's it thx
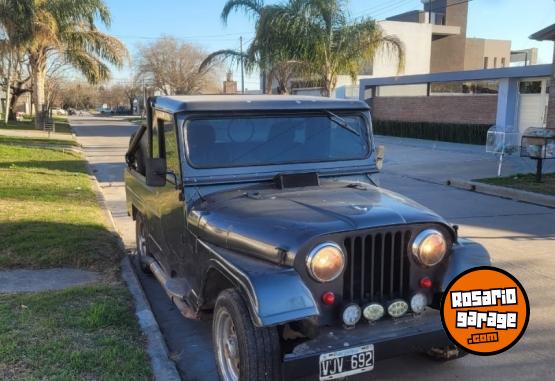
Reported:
(440, 161)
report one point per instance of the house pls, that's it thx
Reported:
(435, 40)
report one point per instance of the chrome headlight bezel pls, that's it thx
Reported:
(420, 238)
(312, 255)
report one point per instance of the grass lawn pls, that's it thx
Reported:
(49, 217)
(525, 182)
(85, 333)
(49, 214)
(61, 125)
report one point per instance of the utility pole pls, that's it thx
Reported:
(242, 67)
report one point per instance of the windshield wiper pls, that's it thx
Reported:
(341, 122)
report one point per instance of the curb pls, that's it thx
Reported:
(162, 367)
(511, 193)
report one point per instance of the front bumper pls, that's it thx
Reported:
(391, 338)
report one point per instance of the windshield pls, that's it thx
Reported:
(266, 140)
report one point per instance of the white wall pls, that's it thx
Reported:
(417, 40)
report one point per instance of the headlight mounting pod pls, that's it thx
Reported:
(325, 262)
(429, 247)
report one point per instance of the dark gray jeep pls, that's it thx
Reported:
(261, 213)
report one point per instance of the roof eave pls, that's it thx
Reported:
(546, 34)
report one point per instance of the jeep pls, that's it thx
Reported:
(263, 213)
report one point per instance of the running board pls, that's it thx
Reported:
(176, 288)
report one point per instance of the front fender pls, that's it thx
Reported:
(274, 294)
(466, 254)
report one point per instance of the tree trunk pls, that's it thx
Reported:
(8, 88)
(11, 107)
(38, 69)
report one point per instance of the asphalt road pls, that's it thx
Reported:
(520, 238)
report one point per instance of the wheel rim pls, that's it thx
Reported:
(141, 240)
(227, 346)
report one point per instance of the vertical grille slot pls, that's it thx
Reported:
(377, 267)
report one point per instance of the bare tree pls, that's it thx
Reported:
(172, 67)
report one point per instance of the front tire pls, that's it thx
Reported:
(243, 351)
(141, 234)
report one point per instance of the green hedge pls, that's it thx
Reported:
(447, 132)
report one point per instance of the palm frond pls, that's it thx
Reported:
(220, 55)
(90, 66)
(247, 6)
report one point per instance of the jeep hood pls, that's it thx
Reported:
(274, 224)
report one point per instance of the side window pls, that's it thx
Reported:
(170, 146)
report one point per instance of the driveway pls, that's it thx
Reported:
(520, 238)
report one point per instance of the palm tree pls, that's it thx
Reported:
(323, 38)
(66, 28)
(265, 52)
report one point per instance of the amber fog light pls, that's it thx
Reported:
(325, 262)
(373, 311)
(397, 308)
(429, 247)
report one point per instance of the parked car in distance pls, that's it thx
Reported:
(262, 214)
(59, 111)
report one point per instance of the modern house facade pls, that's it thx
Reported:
(435, 40)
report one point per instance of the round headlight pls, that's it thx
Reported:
(418, 303)
(397, 308)
(351, 314)
(373, 311)
(325, 262)
(429, 247)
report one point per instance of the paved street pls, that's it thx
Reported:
(520, 238)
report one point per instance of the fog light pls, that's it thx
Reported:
(397, 308)
(351, 314)
(373, 312)
(418, 303)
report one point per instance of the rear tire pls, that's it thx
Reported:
(242, 350)
(141, 235)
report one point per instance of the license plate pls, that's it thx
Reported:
(346, 362)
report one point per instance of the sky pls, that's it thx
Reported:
(198, 22)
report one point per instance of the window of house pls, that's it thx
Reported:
(494, 62)
(170, 147)
(503, 62)
(485, 62)
(530, 87)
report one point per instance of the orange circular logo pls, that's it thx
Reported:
(485, 310)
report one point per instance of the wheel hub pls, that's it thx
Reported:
(227, 347)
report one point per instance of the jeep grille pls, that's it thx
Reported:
(378, 267)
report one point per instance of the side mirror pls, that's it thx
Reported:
(156, 172)
(380, 155)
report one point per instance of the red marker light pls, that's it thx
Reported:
(328, 298)
(426, 282)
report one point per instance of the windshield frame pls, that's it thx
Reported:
(255, 172)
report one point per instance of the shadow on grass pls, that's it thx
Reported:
(55, 165)
(35, 244)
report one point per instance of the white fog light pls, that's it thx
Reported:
(351, 314)
(373, 312)
(418, 303)
(397, 308)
